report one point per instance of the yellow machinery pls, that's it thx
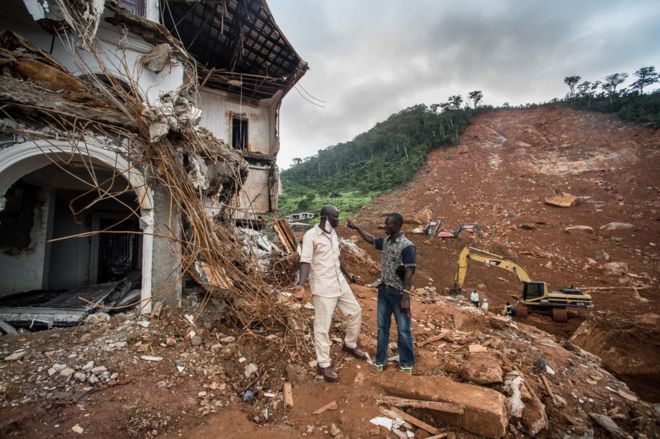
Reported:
(535, 294)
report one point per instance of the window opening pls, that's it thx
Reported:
(239, 133)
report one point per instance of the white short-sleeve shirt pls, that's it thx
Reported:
(321, 251)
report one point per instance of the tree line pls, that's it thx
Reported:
(633, 103)
(387, 155)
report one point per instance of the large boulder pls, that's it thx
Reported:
(485, 410)
(482, 368)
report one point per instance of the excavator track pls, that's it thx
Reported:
(559, 314)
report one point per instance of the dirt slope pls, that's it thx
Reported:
(507, 163)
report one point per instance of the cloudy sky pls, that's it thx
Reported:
(371, 58)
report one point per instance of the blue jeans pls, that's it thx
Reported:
(388, 303)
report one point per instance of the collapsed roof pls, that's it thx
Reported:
(238, 45)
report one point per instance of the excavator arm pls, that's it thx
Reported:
(491, 259)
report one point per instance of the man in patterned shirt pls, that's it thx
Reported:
(398, 262)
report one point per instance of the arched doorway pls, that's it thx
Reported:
(66, 193)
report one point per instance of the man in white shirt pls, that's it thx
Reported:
(320, 261)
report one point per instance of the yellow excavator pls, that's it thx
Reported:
(535, 294)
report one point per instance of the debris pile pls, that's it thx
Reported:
(162, 139)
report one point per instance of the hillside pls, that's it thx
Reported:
(384, 157)
(507, 162)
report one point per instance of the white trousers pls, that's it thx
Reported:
(324, 307)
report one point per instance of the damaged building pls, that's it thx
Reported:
(86, 213)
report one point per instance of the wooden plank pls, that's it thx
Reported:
(288, 395)
(414, 421)
(445, 407)
(547, 387)
(440, 336)
(330, 406)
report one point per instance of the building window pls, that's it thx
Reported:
(239, 133)
(136, 7)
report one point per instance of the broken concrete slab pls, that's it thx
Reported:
(534, 418)
(563, 199)
(616, 226)
(615, 268)
(7, 328)
(607, 423)
(579, 228)
(482, 368)
(485, 410)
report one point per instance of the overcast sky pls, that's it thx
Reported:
(371, 58)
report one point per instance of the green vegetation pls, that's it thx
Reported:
(350, 174)
(629, 103)
(387, 156)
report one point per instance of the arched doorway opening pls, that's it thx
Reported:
(56, 199)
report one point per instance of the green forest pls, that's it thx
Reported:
(348, 175)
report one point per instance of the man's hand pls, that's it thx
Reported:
(351, 225)
(298, 292)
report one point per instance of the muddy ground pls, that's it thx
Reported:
(191, 373)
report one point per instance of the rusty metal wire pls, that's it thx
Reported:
(250, 301)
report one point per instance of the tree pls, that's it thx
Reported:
(612, 82)
(455, 102)
(297, 160)
(476, 97)
(645, 76)
(572, 81)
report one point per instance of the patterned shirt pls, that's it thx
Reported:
(321, 250)
(395, 255)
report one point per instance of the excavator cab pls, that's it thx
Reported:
(533, 290)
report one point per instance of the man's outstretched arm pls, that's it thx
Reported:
(363, 233)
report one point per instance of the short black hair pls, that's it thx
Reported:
(396, 217)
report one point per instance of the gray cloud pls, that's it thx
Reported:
(371, 58)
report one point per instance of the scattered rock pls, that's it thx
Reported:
(78, 429)
(250, 370)
(334, 430)
(601, 255)
(295, 374)
(616, 226)
(482, 368)
(98, 370)
(67, 372)
(196, 340)
(579, 228)
(16, 355)
(80, 376)
(615, 268)
(607, 423)
(88, 365)
(228, 339)
(97, 318)
(562, 200)
(151, 358)
(534, 417)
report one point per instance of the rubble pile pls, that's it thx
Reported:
(161, 138)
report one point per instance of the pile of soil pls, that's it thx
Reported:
(507, 164)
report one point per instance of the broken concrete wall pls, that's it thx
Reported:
(261, 188)
(218, 109)
(256, 190)
(166, 271)
(22, 266)
(151, 84)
